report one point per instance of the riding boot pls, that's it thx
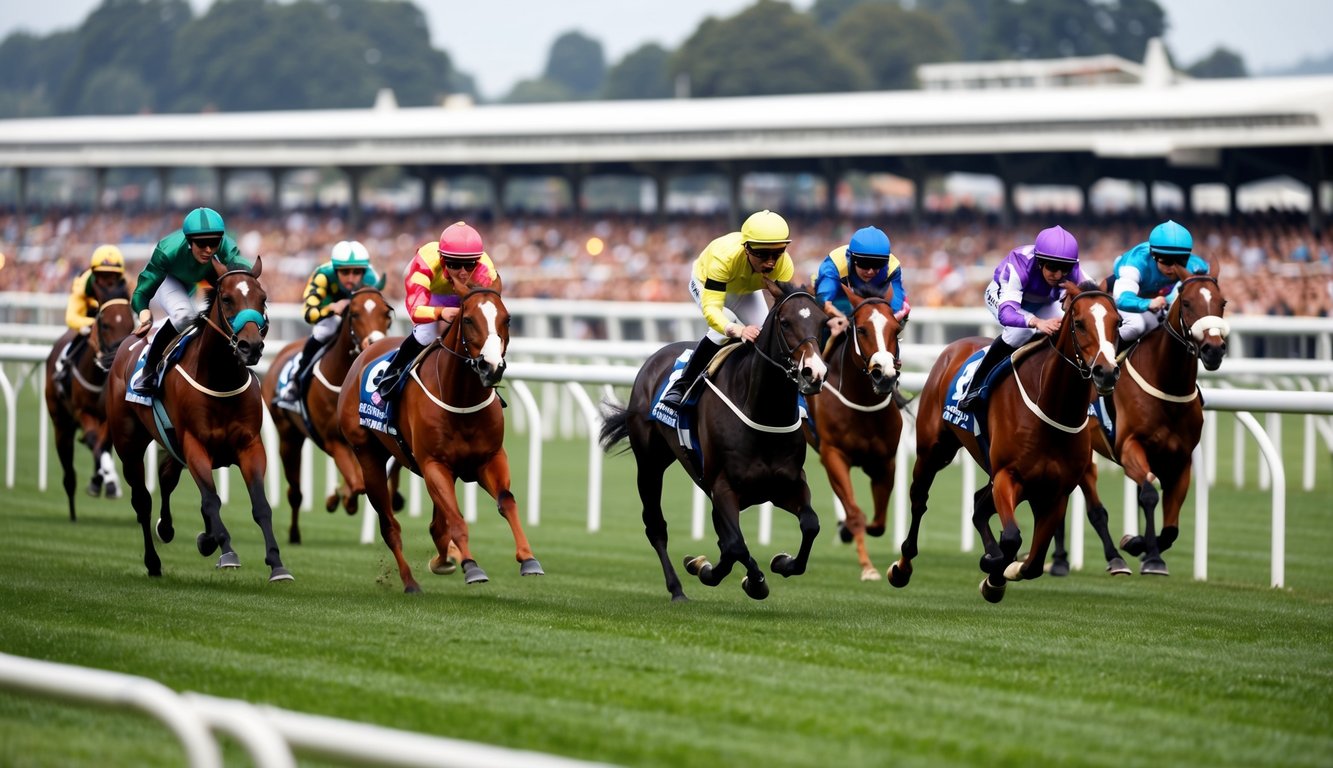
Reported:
(703, 354)
(398, 364)
(292, 391)
(147, 386)
(998, 351)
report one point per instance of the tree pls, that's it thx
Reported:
(115, 91)
(1222, 62)
(1133, 24)
(398, 50)
(538, 91)
(134, 36)
(642, 74)
(968, 20)
(577, 62)
(766, 49)
(890, 42)
(826, 13)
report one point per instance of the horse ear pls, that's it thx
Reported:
(851, 295)
(218, 266)
(259, 265)
(773, 290)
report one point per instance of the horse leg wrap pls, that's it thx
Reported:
(1167, 537)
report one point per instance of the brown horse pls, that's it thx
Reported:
(1038, 445)
(1158, 421)
(450, 426)
(365, 321)
(81, 405)
(856, 421)
(749, 434)
(210, 400)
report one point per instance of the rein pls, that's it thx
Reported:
(1207, 323)
(1083, 368)
(472, 362)
(242, 318)
(790, 369)
(865, 368)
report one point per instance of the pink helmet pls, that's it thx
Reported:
(460, 241)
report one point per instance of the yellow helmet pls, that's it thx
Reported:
(107, 258)
(765, 228)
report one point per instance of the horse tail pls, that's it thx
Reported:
(615, 426)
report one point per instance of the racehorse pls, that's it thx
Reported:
(210, 400)
(365, 321)
(749, 433)
(856, 423)
(1158, 420)
(82, 405)
(450, 426)
(1038, 448)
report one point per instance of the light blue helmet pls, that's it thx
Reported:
(1171, 241)
(203, 221)
(870, 243)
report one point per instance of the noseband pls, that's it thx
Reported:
(857, 342)
(1185, 335)
(790, 368)
(1080, 365)
(234, 327)
(474, 362)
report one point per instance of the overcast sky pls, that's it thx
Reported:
(500, 42)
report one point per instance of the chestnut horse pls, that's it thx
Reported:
(749, 435)
(365, 321)
(1038, 448)
(82, 405)
(210, 399)
(1158, 421)
(856, 423)
(450, 426)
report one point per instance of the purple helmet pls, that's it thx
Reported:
(1056, 244)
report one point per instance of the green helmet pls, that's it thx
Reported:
(203, 221)
(350, 254)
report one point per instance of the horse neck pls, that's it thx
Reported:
(338, 356)
(1164, 362)
(1062, 392)
(770, 395)
(847, 373)
(222, 371)
(458, 385)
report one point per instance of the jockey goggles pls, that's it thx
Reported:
(207, 242)
(1054, 265)
(1164, 257)
(467, 264)
(869, 262)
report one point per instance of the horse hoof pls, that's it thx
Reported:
(331, 504)
(870, 573)
(530, 567)
(1132, 544)
(205, 544)
(1116, 566)
(112, 491)
(445, 568)
(94, 489)
(165, 533)
(473, 574)
(693, 565)
(679, 598)
(1154, 566)
(875, 530)
(991, 564)
(844, 533)
(785, 564)
(992, 592)
(412, 589)
(1058, 567)
(398, 503)
(280, 574)
(756, 588)
(229, 560)
(899, 576)
(1014, 571)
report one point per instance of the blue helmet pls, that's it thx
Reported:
(1056, 244)
(870, 243)
(203, 221)
(1172, 241)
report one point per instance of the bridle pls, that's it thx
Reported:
(356, 339)
(790, 368)
(232, 331)
(1187, 336)
(474, 362)
(1082, 366)
(855, 341)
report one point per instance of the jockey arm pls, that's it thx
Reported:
(79, 312)
(1127, 298)
(899, 303)
(316, 292)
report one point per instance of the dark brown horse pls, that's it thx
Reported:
(451, 426)
(857, 423)
(211, 400)
(365, 321)
(1158, 421)
(749, 434)
(81, 404)
(1039, 447)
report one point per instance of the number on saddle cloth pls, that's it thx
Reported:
(962, 381)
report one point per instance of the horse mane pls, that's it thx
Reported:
(1089, 285)
(788, 288)
(210, 295)
(865, 291)
(120, 290)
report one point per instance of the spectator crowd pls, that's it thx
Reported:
(1271, 263)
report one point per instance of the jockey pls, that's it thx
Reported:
(866, 260)
(327, 292)
(179, 262)
(1025, 298)
(106, 271)
(1146, 278)
(438, 277)
(725, 282)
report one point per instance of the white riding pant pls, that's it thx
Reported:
(1017, 337)
(326, 328)
(176, 302)
(1135, 324)
(745, 308)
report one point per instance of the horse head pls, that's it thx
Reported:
(237, 308)
(873, 338)
(482, 334)
(790, 336)
(367, 319)
(1089, 332)
(114, 322)
(1196, 320)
